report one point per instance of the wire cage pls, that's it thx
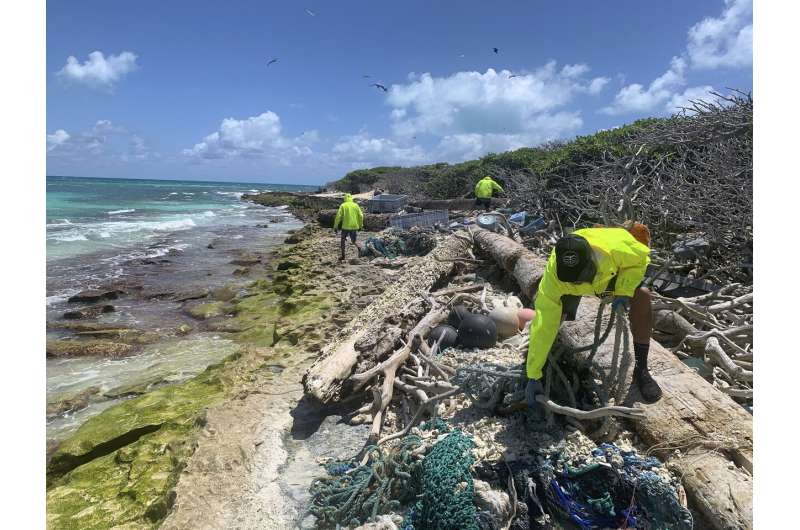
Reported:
(386, 203)
(429, 218)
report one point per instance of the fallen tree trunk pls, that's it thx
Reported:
(325, 377)
(454, 204)
(373, 222)
(707, 427)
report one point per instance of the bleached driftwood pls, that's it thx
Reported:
(325, 377)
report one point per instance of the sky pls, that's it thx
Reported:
(184, 90)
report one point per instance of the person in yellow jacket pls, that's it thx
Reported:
(350, 219)
(484, 190)
(594, 261)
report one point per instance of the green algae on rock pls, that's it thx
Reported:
(121, 467)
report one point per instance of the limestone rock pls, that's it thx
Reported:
(93, 311)
(84, 348)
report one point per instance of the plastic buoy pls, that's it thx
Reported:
(448, 334)
(525, 316)
(456, 315)
(505, 319)
(477, 331)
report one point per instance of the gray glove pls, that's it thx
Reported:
(533, 389)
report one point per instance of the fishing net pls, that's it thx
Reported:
(353, 494)
(610, 488)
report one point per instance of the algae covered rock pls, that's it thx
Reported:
(207, 310)
(72, 403)
(120, 468)
(89, 312)
(85, 348)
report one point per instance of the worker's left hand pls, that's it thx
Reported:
(621, 302)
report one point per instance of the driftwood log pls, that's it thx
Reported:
(695, 428)
(455, 204)
(337, 362)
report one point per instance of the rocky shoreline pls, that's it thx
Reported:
(122, 466)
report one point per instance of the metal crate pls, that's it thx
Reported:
(429, 218)
(386, 203)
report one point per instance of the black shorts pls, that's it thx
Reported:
(351, 233)
(486, 202)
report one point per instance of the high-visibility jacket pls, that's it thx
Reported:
(616, 254)
(485, 187)
(349, 216)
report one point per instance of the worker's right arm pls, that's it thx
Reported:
(497, 187)
(544, 327)
(338, 220)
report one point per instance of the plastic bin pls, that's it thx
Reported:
(386, 203)
(429, 218)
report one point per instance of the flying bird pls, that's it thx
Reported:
(272, 61)
(496, 50)
(513, 76)
(380, 86)
(311, 13)
(365, 76)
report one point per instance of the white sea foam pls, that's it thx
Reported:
(72, 235)
(209, 213)
(116, 212)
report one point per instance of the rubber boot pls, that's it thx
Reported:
(648, 387)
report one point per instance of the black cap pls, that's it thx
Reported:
(574, 259)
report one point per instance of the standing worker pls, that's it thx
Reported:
(350, 219)
(484, 190)
(594, 261)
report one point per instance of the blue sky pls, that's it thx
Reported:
(182, 90)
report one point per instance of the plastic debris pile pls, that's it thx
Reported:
(394, 242)
(608, 488)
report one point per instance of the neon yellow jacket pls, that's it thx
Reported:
(616, 253)
(349, 216)
(485, 187)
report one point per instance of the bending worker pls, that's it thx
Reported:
(594, 261)
(484, 190)
(350, 219)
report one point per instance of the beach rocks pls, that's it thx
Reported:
(193, 294)
(94, 295)
(285, 265)
(85, 348)
(246, 260)
(207, 310)
(241, 271)
(88, 312)
(71, 403)
(292, 239)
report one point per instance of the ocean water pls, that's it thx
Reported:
(150, 239)
(95, 225)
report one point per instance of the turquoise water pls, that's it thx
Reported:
(89, 215)
(149, 239)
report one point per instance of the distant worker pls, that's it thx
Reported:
(484, 190)
(350, 219)
(594, 261)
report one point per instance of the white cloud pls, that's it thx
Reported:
(678, 101)
(362, 150)
(99, 71)
(103, 141)
(598, 84)
(636, 98)
(713, 42)
(254, 137)
(56, 139)
(485, 103)
(723, 41)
